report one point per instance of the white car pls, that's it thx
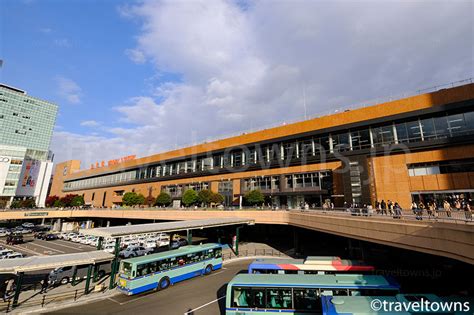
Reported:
(87, 240)
(134, 251)
(62, 235)
(77, 238)
(14, 255)
(69, 236)
(109, 249)
(28, 225)
(4, 233)
(150, 244)
(5, 252)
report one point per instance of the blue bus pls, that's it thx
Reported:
(158, 271)
(298, 294)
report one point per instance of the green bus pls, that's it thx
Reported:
(158, 271)
(298, 294)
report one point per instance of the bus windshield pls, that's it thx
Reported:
(126, 268)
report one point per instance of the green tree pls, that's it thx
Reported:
(163, 199)
(254, 197)
(77, 201)
(140, 199)
(16, 204)
(58, 204)
(130, 198)
(204, 197)
(216, 198)
(189, 197)
(67, 200)
(28, 203)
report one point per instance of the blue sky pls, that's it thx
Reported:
(82, 41)
(141, 77)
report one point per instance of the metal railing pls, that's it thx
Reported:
(253, 253)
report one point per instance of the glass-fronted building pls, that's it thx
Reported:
(26, 127)
(359, 156)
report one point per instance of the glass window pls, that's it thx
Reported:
(279, 298)
(457, 125)
(306, 299)
(241, 297)
(469, 120)
(306, 148)
(341, 142)
(164, 264)
(413, 129)
(428, 128)
(441, 127)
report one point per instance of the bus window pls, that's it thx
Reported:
(163, 265)
(258, 296)
(306, 299)
(208, 254)
(142, 270)
(126, 268)
(173, 262)
(153, 266)
(241, 297)
(181, 260)
(194, 257)
(218, 253)
(279, 298)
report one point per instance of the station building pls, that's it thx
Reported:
(26, 128)
(419, 147)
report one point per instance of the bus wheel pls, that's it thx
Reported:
(164, 283)
(208, 269)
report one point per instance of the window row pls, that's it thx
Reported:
(178, 261)
(444, 167)
(416, 130)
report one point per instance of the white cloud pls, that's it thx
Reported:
(247, 68)
(69, 90)
(135, 55)
(45, 30)
(90, 123)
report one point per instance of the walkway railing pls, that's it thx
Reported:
(253, 253)
(44, 301)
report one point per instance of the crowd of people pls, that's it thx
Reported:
(432, 208)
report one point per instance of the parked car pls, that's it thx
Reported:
(14, 255)
(62, 235)
(69, 236)
(50, 237)
(28, 225)
(4, 233)
(14, 239)
(109, 248)
(150, 244)
(39, 235)
(63, 275)
(5, 252)
(134, 251)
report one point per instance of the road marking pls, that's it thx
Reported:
(132, 300)
(216, 273)
(209, 303)
(20, 248)
(48, 248)
(59, 244)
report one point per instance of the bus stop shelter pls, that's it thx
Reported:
(19, 266)
(118, 232)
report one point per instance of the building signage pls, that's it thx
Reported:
(4, 159)
(35, 214)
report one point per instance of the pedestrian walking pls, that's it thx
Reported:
(447, 208)
(468, 212)
(383, 207)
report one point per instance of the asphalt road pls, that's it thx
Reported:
(203, 295)
(33, 246)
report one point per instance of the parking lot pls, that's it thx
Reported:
(32, 246)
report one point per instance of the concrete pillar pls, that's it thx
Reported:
(240, 202)
(57, 225)
(108, 223)
(42, 221)
(89, 224)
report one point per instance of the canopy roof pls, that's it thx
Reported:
(164, 227)
(35, 263)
